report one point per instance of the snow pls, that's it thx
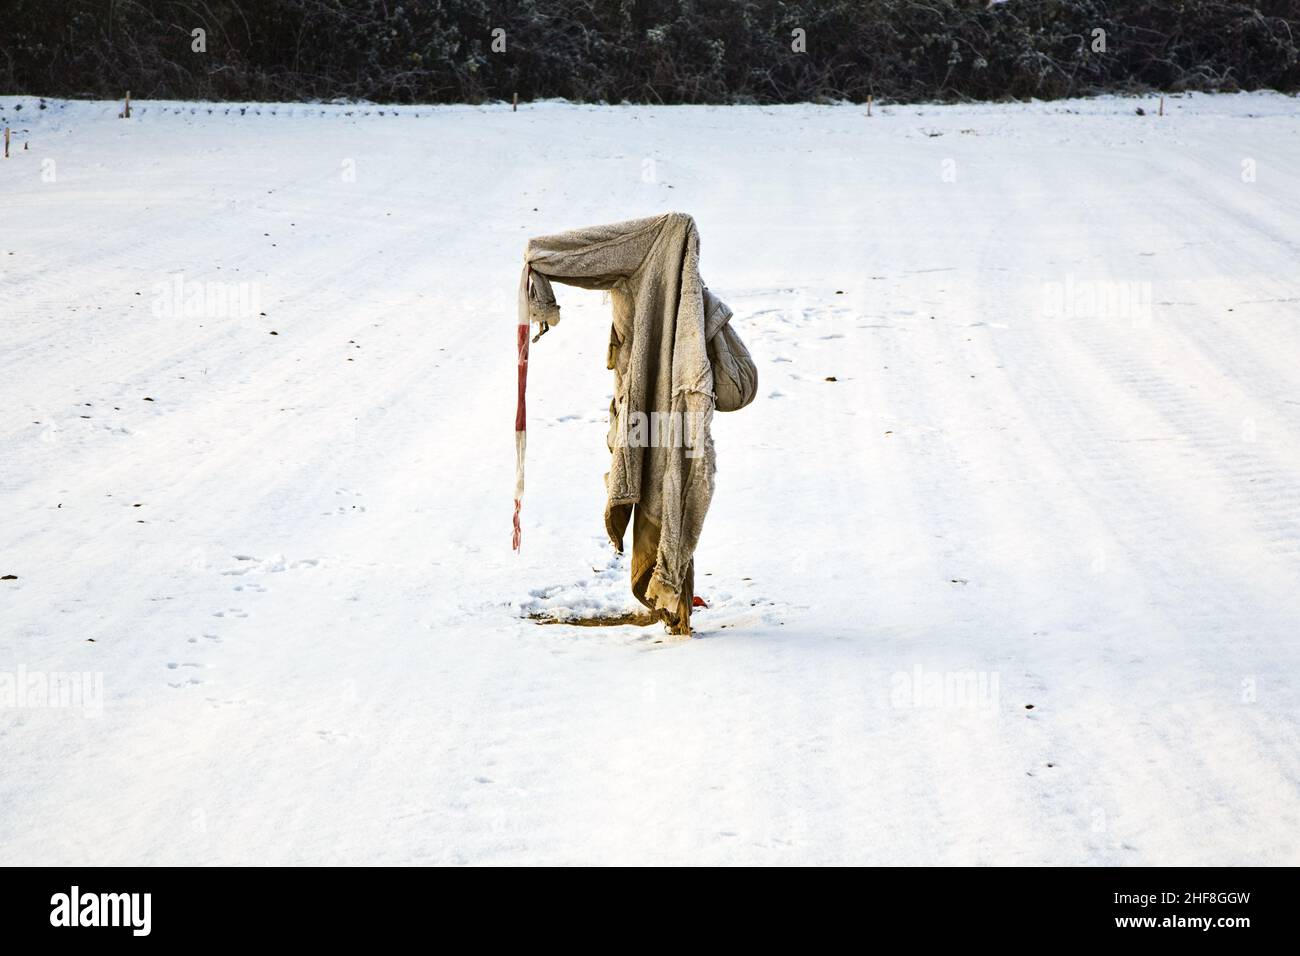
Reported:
(1017, 587)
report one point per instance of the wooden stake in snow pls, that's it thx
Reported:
(126, 109)
(1162, 104)
(868, 104)
(521, 413)
(6, 142)
(514, 108)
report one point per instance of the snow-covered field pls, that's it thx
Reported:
(1018, 585)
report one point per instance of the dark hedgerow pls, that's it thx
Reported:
(656, 51)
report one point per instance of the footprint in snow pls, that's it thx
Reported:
(216, 703)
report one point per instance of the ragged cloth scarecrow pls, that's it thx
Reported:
(675, 359)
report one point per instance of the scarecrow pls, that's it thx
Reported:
(676, 359)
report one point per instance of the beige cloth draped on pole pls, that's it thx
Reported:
(675, 359)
